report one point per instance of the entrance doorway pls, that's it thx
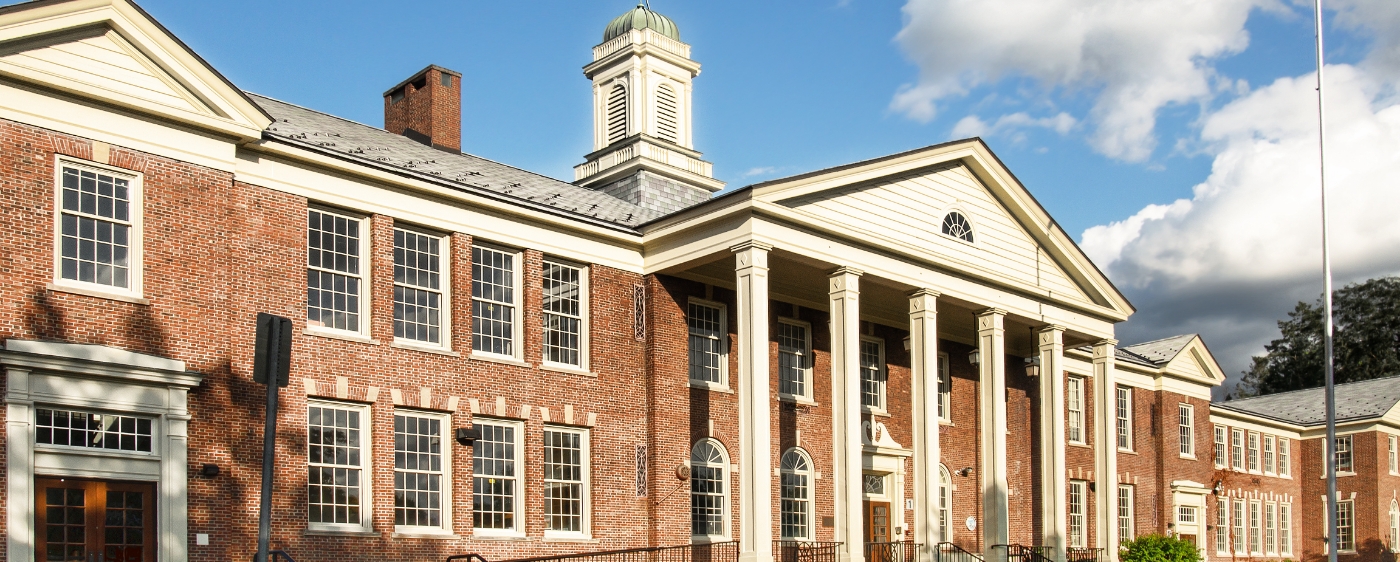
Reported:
(877, 530)
(94, 521)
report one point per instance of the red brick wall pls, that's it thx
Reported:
(434, 110)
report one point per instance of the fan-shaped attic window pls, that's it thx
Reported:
(617, 113)
(957, 226)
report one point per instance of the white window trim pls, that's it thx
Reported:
(1270, 528)
(1237, 444)
(1256, 528)
(807, 360)
(520, 479)
(447, 475)
(1073, 383)
(723, 384)
(728, 495)
(1222, 442)
(444, 289)
(1394, 525)
(366, 288)
(585, 320)
(1222, 526)
(1268, 454)
(1283, 461)
(1285, 528)
(366, 469)
(1239, 517)
(1351, 454)
(945, 491)
(883, 408)
(945, 400)
(517, 342)
(136, 256)
(1393, 454)
(811, 496)
(586, 471)
(1123, 394)
(1352, 505)
(1189, 428)
(1252, 443)
(1126, 491)
(1082, 488)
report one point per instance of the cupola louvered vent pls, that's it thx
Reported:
(667, 112)
(617, 114)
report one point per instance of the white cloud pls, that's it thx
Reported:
(1135, 57)
(972, 126)
(760, 171)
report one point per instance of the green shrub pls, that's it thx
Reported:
(1157, 548)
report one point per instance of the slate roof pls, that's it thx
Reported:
(1149, 354)
(376, 147)
(1355, 401)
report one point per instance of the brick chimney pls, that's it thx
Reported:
(427, 108)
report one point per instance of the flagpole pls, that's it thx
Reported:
(1330, 447)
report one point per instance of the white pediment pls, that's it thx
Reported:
(111, 52)
(1195, 361)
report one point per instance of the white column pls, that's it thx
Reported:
(755, 434)
(1106, 448)
(923, 366)
(1052, 440)
(19, 467)
(173, 524)
(991, 368)
(844, 291)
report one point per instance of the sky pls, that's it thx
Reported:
(1175, 140)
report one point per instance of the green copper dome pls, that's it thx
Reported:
(641, 17)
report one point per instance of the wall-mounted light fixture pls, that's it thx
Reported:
(209, 470)
(467, 435)
(1219, 487)
(975, 357)
(963, 472)
(1033, 366)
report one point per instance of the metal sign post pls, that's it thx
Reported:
(271, 366)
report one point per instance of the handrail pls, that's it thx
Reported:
(273, 554)
(469, 557)
(1023, 553)
(711, 552)
(805, 551)
(1083, 554)
(891, 551)
(949, 552)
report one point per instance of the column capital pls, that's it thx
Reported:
(923, 300)
(1103, 349)
(751, 244)
(990, 312)
(1050, 335)
(991, 319)
(846, 270)
(843, 280)
(924, 292)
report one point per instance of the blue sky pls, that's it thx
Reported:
(1192, 216)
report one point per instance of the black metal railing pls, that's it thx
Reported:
(1083, 554)
(713, 552)
(805, 551)
(1023, 553)
(273, 555)
(473, 557)
(895, 551)
(949, 552)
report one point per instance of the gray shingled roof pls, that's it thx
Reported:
(1154, 353)
(1355, 400)
(376, 147)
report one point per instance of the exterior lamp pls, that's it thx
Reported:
(1219, 487)
(974, 357)
(1033, 366)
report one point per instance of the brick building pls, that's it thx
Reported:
(905, 348)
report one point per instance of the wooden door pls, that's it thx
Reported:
(94, 521)
(877, 531)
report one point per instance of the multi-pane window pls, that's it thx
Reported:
(1394, 526)
(565, 310)
(419, 297)
(420, 470)
(1237, 449)
(496, 491)
(1221, 458)
(945, 503)
(1222, 526)
(1186, 429)
(1346, 521)
(565, 480)
(1074, 400)
(1285, 529)
(1394, 454)
(1125, 513)
(334, 270)
(1253, 452)
(794, 367)
(796, 483)
(1343, 456)
(945, 389)
(494, 310)
(91, 430)
(335, 445)
(708, 361)
(1186, 514)
(709, 469)
(97, 221)
(1268, 454)
(872, 374)
(1125, 417)
(1238, 516)
(1254, 528)
(1076, 513)
(1284, 468)
(1270, 528)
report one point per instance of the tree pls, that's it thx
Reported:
(1366, 341)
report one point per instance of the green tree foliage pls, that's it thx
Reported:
(1366, 341)
(1157, 548)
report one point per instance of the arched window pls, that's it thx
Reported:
(667, 114)
(796, 474)
(1394, 526)
(709, 490)
(957, 226)
(617, 113)
(945, 504)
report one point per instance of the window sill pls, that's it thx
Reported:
(708, 540)
(425, 348)
(948, 423)
(1339, 474)
(500, 537)
(99, 293)
(797, 399)
(567, 369)
(424, 535)
(570, 538)
(503, 360)
(338, 533)
(880, 412)
(339, 335)
(1081, 445)
(1187, 457)
(710, 386)
(1127, 452)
